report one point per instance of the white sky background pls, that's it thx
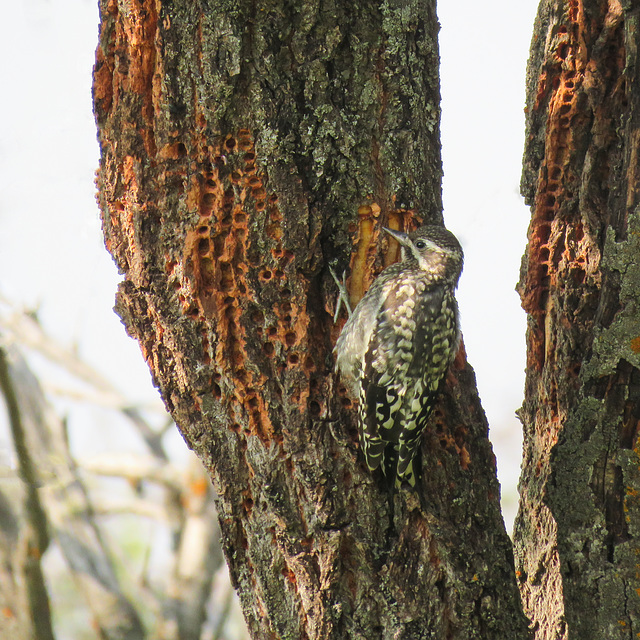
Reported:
(52, 254)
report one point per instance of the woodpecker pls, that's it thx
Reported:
(398, 344)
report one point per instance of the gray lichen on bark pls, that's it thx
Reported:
(269, 140)
(579, 284)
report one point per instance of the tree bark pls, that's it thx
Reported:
(245, 147)
(577, 532)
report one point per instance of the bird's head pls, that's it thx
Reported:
(432, 249)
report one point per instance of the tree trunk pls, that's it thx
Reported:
(577, 533)
(245, 147)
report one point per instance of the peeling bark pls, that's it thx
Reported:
(577, 531)
(244, 148)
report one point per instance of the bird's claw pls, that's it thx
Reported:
(343, 294)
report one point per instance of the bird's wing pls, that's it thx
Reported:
(386, 363)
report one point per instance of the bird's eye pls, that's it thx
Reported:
(420, 244)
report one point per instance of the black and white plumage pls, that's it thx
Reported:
(398, 344)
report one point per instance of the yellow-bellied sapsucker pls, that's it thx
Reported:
(398, 344)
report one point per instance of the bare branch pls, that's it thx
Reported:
(136, 467)
(34, 539)
(21, 328)
(67, 505)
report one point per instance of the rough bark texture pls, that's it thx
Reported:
(246, 146)
(577, 533)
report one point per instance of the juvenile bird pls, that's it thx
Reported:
(398, 344)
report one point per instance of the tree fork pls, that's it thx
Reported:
(244, 146)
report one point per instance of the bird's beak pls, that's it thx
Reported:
(400, 236)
